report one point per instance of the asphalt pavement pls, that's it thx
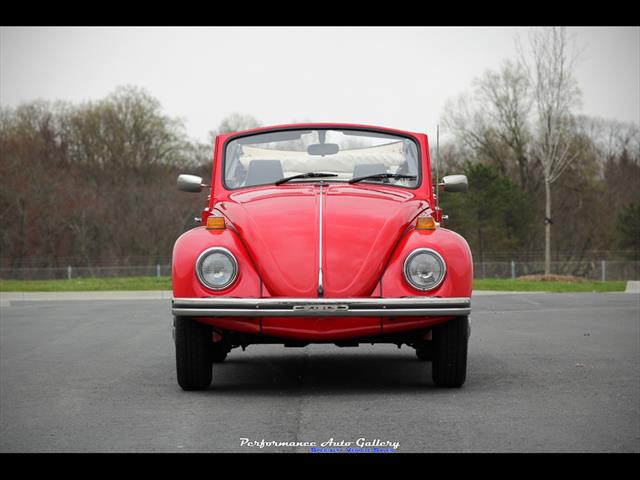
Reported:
(547, 373)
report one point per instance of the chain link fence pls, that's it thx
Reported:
(591, 270)
(70, 272)
(43, 268)
(603, 269)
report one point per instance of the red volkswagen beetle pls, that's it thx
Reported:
(321, 233)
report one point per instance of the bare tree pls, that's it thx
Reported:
(110, 162)
(464, 119)
(126, 129)
(235, 122)
(493, 120)
(556, 94)
(507, 93)
(612, 139)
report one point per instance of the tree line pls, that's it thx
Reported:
(524, 149)
(95, 181)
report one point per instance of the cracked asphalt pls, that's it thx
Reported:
(547, 373)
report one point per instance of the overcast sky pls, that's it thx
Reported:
(395, 76)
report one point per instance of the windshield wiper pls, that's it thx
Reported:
(382, 176)
(306, 175)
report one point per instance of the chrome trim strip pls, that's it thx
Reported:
(320, 286)
(413, 312)
(353, 301)
(321, 307)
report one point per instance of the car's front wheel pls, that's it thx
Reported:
(450, 343)
(193, 354)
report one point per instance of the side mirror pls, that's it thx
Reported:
(190, 183)
(454, 183)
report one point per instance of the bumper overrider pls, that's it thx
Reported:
(321, 307)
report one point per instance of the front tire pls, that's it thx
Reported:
(193, 354)
(450, 344)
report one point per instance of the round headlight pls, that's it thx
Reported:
(424, 269)
(216, 268)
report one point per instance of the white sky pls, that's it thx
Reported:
(397, 77)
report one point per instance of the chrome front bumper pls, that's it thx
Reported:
(321, 307)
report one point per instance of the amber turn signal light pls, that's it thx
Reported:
(426, 223)
(215, 223)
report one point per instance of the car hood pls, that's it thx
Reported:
(280, 226)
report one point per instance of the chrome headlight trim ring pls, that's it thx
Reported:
(417, 251)
(204, 255)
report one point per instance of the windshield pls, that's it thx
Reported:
(265, 158)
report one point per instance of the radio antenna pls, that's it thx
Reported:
(437, 195)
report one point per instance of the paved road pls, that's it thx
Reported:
(547, 373)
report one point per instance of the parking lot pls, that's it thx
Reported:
(547, 373)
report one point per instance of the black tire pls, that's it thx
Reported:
(193, 354)
(219, 352)
(424, 351)
(450, 344)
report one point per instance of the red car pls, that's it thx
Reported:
(321, 233)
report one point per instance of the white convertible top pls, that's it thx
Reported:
(344, 161)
